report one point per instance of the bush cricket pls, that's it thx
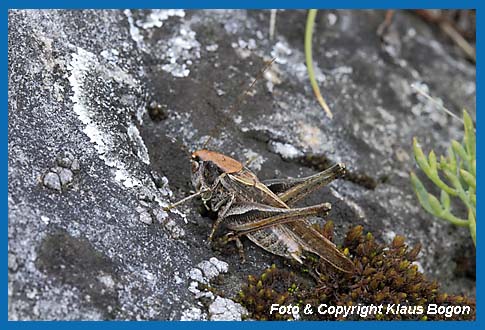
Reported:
(263, 210)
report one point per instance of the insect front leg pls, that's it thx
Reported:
(292, 190)
(221, 214)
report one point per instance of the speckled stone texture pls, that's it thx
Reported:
(105, 106)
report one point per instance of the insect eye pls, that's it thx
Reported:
(195, 166)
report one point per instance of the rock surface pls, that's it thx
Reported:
(105, 105)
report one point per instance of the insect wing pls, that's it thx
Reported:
(314, 242)
(257, 191)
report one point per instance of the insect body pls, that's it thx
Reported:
(262, 211)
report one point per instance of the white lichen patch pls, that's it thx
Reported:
(341, 73)
(175, 231)
(212, 47)
(420, 266)
(285, 150)
(196, 275)
(311, 136)
(135, 32)
(83, 65)
(389, 236)
(253, 160)
(221, 266)
(193, 314)
(223, 309)
(141, 149)
(144, 215)
(428, 108)
(194, 287)
(180, 51)
(177, 278)
(244, 48)
(331, 19)
(272, 76)
(220, 308)
(157, 16)
(153, 20)
(281, 51)
(111, 55)
(107, 281)
(212, 268)
(121, 147)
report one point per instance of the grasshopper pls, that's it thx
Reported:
(263, 210)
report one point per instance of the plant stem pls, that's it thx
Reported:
(312, 13)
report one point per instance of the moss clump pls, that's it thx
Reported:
(384, 275)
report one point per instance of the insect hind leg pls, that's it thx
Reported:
(292, 190)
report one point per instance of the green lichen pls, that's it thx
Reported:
(383, 275)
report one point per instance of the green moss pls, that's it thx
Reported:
(383, 275)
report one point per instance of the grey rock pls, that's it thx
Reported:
(175, 231)
(75, 167)
(12, 262)
(65, 159)
(65, 176)
(146, 218)
(160, 215)
(90, 75)
(51, 180)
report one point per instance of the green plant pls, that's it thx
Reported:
(312, 13)
(459, 170)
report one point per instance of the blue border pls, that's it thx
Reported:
(5, 5)
(261, 4)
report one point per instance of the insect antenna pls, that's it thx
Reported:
(183, 200)
(232, 108)
(240, 98)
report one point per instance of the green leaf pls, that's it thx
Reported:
(445, 200)
(455, 181)
(458, 148)
(420, 157)
(435, 205)
(470, 138)
(451, 159)
(432, 162)
(468, 178)
(421, 192)
(473, 227)
(473, 198)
